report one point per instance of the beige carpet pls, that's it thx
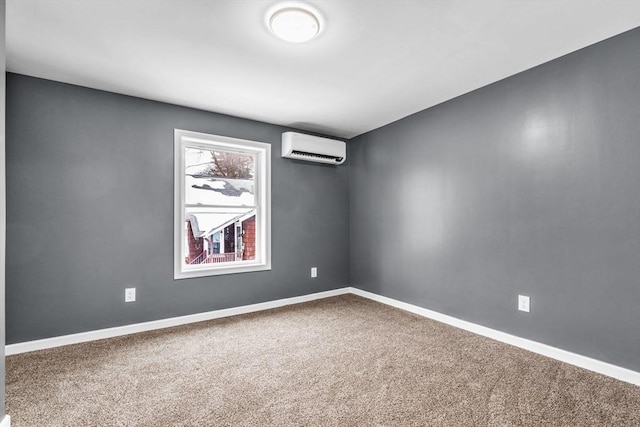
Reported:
(342, 361)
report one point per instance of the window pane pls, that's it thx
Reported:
(219, 235)
(215, 177)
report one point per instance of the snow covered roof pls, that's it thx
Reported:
(203, 188)
(205, 224)
(218, 191)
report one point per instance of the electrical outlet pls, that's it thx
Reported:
(314, 271)
(524, 303)
(129, 294)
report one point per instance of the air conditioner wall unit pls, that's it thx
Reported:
(313, 148)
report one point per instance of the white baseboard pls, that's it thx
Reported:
(6, 421)
(117, 331)
(594, 365)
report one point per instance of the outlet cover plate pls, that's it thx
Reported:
(524, 303)
(129, 294)
(314, 271)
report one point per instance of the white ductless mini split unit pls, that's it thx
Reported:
(313, 148)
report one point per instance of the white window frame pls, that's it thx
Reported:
(262, 193)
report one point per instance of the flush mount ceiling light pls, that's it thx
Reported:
(294, 24)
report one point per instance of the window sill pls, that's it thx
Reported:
(218, 271)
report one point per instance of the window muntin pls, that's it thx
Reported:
(222, 205)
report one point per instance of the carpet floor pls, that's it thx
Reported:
(342, 361)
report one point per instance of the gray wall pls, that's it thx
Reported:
(528, 186)
(3, 202)
(90, 212)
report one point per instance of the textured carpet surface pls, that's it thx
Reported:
(342, 361)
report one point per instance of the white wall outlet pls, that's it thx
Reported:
(524, 303)
(129, 294)
(314, 271)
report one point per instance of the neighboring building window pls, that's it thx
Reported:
(222, 205)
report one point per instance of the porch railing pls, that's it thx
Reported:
(213, 258)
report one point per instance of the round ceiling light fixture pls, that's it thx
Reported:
(294, 24)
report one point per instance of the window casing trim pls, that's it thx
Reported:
(262, 194)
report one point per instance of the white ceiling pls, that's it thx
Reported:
(375, 62)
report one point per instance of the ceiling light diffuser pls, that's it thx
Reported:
(294, 24)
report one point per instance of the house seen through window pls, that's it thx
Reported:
(222, 205)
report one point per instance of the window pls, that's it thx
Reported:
(222, 205)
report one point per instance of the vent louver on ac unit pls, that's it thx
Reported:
(313, 148)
